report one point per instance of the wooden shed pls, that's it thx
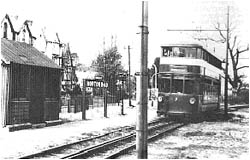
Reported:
(30, 85)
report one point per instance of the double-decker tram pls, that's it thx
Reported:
(189, 80)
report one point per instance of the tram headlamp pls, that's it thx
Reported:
(160, 99)
(192, 100)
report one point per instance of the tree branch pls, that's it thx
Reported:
(234, 42)
(230, 80)
(244, 50)
(220, 32)
(237, 57)
(242, 67)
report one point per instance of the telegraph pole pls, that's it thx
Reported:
(129, 81)
(122, 107)
(84, 100)
(104, 79)
(141, 126)
(226, 67)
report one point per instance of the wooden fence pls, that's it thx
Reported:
(73, 104)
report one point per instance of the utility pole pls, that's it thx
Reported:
(104, 79)
(84, 100)
(226, 70)
(226, 67)
(122, 107)
(129, 81)
(141, 126)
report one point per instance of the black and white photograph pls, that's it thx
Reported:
(124, 79)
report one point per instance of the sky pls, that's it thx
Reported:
(86, 24)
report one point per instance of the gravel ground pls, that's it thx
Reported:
(220, 139)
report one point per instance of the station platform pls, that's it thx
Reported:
(71, 128)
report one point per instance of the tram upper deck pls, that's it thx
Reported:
(189, 58)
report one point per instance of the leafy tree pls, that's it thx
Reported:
(109, 67)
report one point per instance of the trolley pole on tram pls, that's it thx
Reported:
(141, 126)
(226, 59)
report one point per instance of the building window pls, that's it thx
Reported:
(24, 34)
(5, 29)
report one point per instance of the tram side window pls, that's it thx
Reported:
(206, 56)
(182, 52)
(210, 93)
(164, 85)
(199, 53)
(192, 52)
(206, 93)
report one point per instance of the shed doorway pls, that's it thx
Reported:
(37, 95)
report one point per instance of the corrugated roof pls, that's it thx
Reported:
(22, 53)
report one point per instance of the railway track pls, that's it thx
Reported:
(125, 150)
(122, 145)
(66, 150)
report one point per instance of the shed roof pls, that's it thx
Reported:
(22, 53)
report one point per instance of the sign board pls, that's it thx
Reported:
(154, 92)
(89, 89)
(96, 84)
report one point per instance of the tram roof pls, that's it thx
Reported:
(182, 45)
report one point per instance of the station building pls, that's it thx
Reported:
(30, 82)
(30, 85)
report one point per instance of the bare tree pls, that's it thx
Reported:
(235, 50)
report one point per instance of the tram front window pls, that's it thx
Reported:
(189, 87)
(180, 52)
(182, 85)
(164, 85)
(177, 86)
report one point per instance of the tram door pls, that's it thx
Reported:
(36, 96)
